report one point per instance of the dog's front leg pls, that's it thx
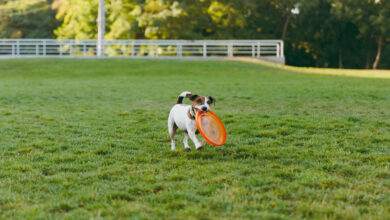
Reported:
(193, 137)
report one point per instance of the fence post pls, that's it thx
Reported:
(13, 50)
(282, 48)
(44, 48)
(84, 49)
(253, 50)
(179, 49)
(17, 48)
(123, 49)
(258, 49)
(60, 49)
(156, 50)
(37, 49)
(132, 48)
(204, 49)
(71, 49)
(230, 50)
(277, 50)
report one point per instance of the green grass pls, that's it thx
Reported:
(87, 138)
(363, 73)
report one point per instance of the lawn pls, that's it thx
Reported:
(87, 138)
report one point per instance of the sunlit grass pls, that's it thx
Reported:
(324, 71)
(88, 139)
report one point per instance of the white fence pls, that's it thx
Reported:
(141, 48)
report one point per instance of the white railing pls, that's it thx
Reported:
(141, 48)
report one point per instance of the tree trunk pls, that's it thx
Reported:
(379, 52)
(285, 27)
(340, 59)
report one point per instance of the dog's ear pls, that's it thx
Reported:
(193, 97)
(212, 99)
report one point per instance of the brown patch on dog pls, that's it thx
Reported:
(190, 116)
(198, 100)
(211, 100)
(180, 98)
(193, 97)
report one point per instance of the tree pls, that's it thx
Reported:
(27, 19)
(372, 18)
(323, 33)
(122, 17)
(78, 19)
(381, 21)
(169, 19)
(286, 7)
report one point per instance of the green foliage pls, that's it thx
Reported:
(167, 19)
(328, 40)
(78, 19)
(87, 138)
(325, 33)
(27, 19)
(339, 33)
(370, 16)
(122, 17)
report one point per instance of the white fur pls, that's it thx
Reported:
(178, 118)
(184, 94)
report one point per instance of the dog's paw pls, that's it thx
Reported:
(187, 148)
(199, 148)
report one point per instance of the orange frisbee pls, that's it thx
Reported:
(211, 128)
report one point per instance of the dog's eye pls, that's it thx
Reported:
(209, 102)
(199, 101)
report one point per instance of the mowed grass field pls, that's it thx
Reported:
(87, 138)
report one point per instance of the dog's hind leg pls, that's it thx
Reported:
(172, 131)
(185, 141)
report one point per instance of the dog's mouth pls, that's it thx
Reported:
(196, 110)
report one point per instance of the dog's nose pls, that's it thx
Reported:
(204, 108)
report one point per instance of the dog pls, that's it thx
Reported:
(182, 116)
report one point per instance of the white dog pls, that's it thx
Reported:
(182, 116)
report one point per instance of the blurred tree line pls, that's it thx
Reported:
(321, 33)
(27, 19)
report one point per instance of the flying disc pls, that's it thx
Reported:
(211, 128)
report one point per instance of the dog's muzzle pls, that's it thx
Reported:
(202, 108)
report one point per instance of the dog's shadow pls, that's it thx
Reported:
(208, 152)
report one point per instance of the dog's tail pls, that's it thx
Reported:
(182, 96)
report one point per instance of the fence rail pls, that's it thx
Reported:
(133, 48)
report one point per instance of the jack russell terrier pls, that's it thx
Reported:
(182, 116)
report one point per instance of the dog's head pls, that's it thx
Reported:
(201, 103)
